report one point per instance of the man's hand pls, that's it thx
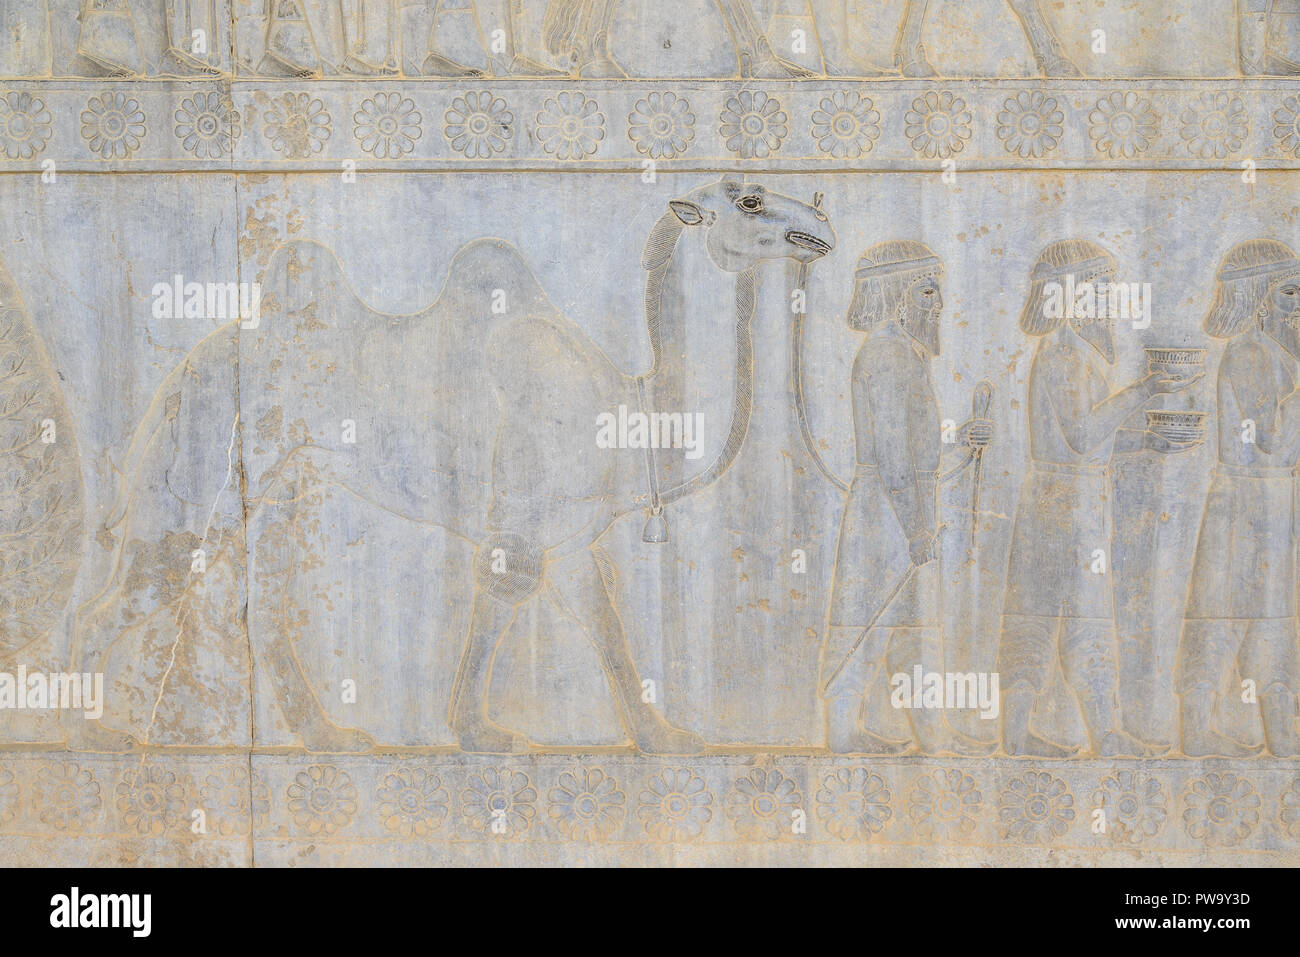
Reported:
(923, 549)
(1156, 442)
(1160, 383)
(977, 433)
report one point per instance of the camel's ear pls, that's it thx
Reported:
(689, 213)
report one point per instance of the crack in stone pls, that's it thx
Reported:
(180, 626)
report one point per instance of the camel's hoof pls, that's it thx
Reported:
(915, 65)
(92, 736)
(485, 737)
(1059, 66)
(331, 739)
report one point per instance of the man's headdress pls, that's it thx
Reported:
(1247, 273)
(884, 274)
(1061, 266)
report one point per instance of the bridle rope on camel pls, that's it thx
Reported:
(657, 259)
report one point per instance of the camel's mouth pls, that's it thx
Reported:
(808, 241)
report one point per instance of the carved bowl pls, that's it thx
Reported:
(1176, 363)
(1177, 426)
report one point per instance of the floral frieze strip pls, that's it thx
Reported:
(822, 125)
(1224, 808)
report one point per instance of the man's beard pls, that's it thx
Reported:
(923, 327)
(1100, 334)
(1286, 333)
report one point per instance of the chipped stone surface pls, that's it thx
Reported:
(375, 567)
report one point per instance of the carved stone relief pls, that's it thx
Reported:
(549, 431)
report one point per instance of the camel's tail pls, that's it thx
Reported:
(561, 24)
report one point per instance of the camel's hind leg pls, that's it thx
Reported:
(468, 716)
(507, 572)
(583, 582)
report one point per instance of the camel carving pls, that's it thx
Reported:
(477, 415)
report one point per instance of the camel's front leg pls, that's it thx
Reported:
(1047, 49)
(271, 626)
(757, 58)
(909, 54)
(582, 584)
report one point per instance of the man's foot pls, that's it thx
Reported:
(324, 737)
(1282, 742)
(1157, 749)
(771, 67)
(656, 736)
(1273, 66)
(962, 745)
(1284, 746)
(114, 71)
(861, 741)
(602, 67)
(360, 68)
(180, 64)
(855, 69)
(1121, 744)
(478, 735)
(1036, 746)
(523, 66)
(1210, 744)
(273, 66)
(435, 64)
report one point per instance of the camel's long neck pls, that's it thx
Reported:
(698, 320)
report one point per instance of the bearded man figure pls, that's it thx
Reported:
(154, 37)
(578, 31)
(1058, 603)
(1268, 37)
(909, 54)
(1241, 605)
(890, 529)
(305, 37)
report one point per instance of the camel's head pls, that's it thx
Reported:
(748, 223)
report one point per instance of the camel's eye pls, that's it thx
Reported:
(750, 204)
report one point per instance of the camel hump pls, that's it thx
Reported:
(300, 274)
(489, 277)
(482, 274)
